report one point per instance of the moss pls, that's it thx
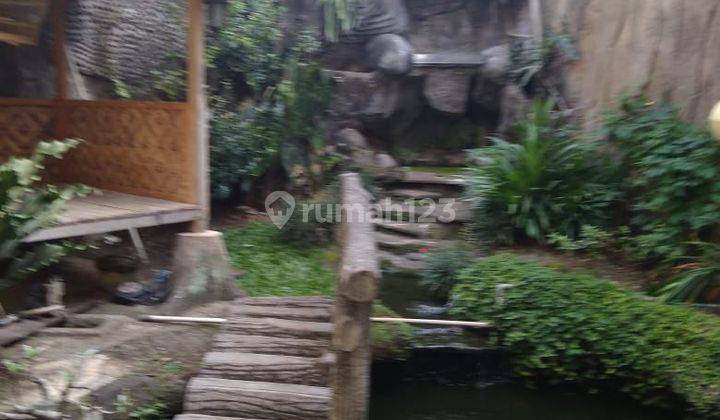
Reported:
(390, 340)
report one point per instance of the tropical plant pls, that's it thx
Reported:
(673, 177)
(338, 16)
(698, 274)
(575, 328)
(27, 206)
(444, 265)
(530, 58)
(546, 183)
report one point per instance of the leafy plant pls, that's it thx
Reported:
(569, 327)
(546, 183)
(444, 265)
(530, 58)
(27, 206)
(592, 239)
(699, 273)
(673, 176)
(390, 340)
(338, 16)
(282, 90)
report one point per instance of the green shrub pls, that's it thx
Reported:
(390, 340)
(568, 327)
(674, 178)
(700, 275)
(282, 91)
(444, 265)
(27, 206)
(274, 267)
(546, 183)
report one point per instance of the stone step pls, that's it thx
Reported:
(270, 345)
(457, 211)
(428, 178)
(401, 263)
(204, 417)
(265, 368)
(257, 400)
(403, 244)
(415, 230)
(413, 194)
(316, 314)
(275, 327)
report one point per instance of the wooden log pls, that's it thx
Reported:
(289, 302)
(264, 368)
(314, 314)
(204, 417)
(271, 345)
(262, 400)
(274, 327)
(357, 288)
(447, 323)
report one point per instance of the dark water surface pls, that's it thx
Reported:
(427, 401)
(440, 379)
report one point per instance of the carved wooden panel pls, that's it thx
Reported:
(22, 125)
(141, 148)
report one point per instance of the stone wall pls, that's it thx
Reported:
(660, 46)
(125, 40)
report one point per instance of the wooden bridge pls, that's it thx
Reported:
(301, 358)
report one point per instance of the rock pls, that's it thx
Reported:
(350, 139)
(497, 63)
(377, 17)
(448, 90)
(390, 53)
(385, 161)
(514, 105)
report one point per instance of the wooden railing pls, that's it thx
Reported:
(142, 148)
(357, 288)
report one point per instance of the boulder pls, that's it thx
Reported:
(390, 54)
(497, 63)
(514, 105)
(448, 90)
(350, 139)
(385, 161)
(377, 17)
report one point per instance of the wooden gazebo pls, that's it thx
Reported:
(147, 159)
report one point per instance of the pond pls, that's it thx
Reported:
(455, 375)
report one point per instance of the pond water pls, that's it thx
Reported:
(427, 401)
(455, 375)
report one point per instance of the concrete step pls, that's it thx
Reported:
(415, 230)
(403, 244)
(265, 368)
(428, 178)
(455, 212)
(257, 400)
(401, 263)
(413, 194)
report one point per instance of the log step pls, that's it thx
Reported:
(275, 327)
(258, 400)
(289, 302)
(264, 368)
(315, 314)
(270, 345)
(204, 417)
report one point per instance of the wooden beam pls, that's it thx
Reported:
(59, 57)
(197, 115)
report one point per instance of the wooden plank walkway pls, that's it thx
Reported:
(271, 361)
(109, 211)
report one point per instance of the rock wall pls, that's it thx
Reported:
(663, 47)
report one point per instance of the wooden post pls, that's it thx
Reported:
(536, 19)
(59, 57)
(356, 290)
(57, 14)
(197, 115)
